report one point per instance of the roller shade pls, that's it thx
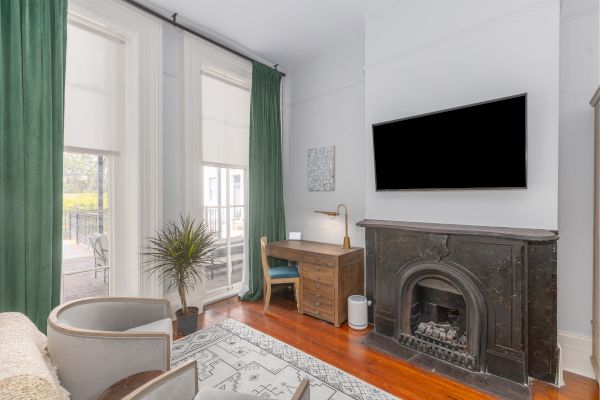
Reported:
(94, 88)
(225, 121)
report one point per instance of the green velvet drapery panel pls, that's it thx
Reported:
(265, 205)
(32, 71)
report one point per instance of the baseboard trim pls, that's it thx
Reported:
(576, 353)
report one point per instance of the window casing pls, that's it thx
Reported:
(217, 84)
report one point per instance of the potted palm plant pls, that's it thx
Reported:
(180, 254)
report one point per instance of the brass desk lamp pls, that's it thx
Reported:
(334, 214)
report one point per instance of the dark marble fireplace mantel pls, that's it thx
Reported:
(506, 275)
(531, 235)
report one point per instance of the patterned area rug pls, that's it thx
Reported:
(234, 357)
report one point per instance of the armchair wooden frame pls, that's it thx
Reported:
(268, 281)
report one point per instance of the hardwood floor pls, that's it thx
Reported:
(342, 348)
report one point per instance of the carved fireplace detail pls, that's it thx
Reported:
(476, 298)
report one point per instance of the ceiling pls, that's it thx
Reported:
(286, 32)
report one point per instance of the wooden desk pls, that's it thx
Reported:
(328, 275)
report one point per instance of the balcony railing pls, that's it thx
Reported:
(79, 226)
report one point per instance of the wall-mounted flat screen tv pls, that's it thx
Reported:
(480, 146)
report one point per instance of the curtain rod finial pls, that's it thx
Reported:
(174, 17)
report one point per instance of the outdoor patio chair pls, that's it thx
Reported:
(99, 244)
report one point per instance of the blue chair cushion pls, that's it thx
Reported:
(289, 271)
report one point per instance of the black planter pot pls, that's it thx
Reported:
(187, 323)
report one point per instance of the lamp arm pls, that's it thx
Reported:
(346, 237)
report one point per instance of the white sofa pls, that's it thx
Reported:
(89, 342)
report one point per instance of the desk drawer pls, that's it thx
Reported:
(318, 259)
(317, 290)
(317, 273)
(323, 312)
(321, 302)
(285, 254)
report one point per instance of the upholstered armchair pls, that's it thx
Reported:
(181, 383)
(89, 342)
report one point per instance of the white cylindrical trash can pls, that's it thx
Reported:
(357, 312)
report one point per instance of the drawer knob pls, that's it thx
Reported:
(318, 285)
(318, 312)
(317, 303)
(318, 295)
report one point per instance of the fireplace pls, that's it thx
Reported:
(437, 323)
(478, 302)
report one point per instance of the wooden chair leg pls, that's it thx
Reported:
(267, 298)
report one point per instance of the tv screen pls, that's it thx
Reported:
(473, 147)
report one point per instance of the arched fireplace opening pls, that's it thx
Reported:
(442, 313)
(439, 314)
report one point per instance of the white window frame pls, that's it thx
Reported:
(231, 289)
(110, 155)
(138, 167)
(202, 57)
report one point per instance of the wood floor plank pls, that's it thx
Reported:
(342, 348)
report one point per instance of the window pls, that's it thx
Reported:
(86, 226)
(225, 216)
(217, 134)
(94, 97)
(113, 109)
(225, 140)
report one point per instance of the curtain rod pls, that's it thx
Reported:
(173, 21)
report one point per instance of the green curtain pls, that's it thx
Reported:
(265, 204)
(32, 71)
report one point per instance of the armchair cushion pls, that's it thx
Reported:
(288, 271)
(164, 325)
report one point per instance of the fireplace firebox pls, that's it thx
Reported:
(438, 322)
(474, 301)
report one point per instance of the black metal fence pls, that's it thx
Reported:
(79, 226)
(213, 217)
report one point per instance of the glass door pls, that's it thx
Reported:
(86, 226)
(224, 210)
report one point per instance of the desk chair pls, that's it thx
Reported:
(273, 276)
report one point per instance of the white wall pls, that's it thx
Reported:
(429, 62)
(324, 106)
(172, 122)
(579, 78)
(432, 61)
(419, 60)
(172, 132)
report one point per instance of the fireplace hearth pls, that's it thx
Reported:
(476, 302)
